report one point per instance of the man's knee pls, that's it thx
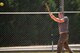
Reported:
(60, 42)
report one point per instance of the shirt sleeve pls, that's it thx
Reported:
(65, 19)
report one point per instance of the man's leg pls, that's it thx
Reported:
(59, 46)
(67, 47)
(61, 42)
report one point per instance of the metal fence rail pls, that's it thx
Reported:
(37, 12)
(74, 47)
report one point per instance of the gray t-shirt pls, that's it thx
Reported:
(63, 27)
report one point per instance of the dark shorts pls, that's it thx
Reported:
(63, 37)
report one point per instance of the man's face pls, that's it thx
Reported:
(60, 15)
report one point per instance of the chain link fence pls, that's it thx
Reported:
(20, 30)
(35, 29)
(27, 30)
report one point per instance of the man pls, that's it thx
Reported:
(63, 22)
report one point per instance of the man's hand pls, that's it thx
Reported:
(50, 13)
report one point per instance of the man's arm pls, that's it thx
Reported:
(55, 18)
